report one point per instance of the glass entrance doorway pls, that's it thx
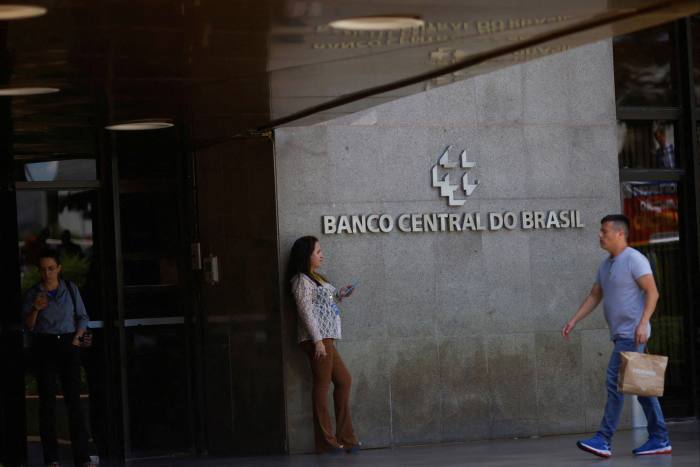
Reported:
(241, 324)
(121, 239)
(653, 197)
(186, 350)
(64, 220)
(653, 209)
(153, 313)
(656, 91)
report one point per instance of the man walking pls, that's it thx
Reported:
(626, 286)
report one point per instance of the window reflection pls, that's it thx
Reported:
(647, 145)
(652, 208)
(149, 238)
(60, 220)
(63, 221)
(645, 68)
(158, 390)
(48, 171)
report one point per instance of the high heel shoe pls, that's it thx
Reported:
(334, 451)
(355, 449)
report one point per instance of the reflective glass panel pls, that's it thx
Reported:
(63, 221)
(653, 211)
(645, 69)
(147, 154)
(49, 171)
(652, 208)
(158, 390)
(150, 234)
(243, 371)
(695, 21)
(647, 145)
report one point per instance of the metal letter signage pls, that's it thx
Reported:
(433, 222)
(448, 190)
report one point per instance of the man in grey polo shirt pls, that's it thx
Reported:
(626, 286)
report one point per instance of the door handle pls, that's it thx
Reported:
(211, 269)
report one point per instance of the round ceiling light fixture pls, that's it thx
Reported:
(377, 23)
(14, 12)
(26, 91)
(140, 125)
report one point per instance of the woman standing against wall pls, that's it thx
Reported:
(318, 328)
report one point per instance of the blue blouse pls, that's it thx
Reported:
(61, 316)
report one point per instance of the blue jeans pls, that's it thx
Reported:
(656, 426)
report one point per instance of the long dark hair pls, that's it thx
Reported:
(300, 258)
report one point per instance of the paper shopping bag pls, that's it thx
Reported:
(641, 374)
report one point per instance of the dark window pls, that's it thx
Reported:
(645, 68)
(695, 21)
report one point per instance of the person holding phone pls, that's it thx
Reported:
(318, 327)
(55, 314)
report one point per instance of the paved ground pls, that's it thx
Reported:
(546, 451)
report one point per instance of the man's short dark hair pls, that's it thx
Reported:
(620, 222)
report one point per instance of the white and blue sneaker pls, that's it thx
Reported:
(595, 446)
(653, 446)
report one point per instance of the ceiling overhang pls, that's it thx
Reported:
(217, 69)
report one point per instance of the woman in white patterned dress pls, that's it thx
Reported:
(318, 327)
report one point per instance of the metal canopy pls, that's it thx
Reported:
(218, 68)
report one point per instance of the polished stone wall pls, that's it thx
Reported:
(455, 335)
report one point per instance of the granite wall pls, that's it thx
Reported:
(455, 335)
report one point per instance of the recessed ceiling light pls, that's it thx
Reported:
(377, 23)
(139, 126)
(13, 12)
(28, 91)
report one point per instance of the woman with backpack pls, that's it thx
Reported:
(55, 315)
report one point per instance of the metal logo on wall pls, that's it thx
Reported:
(456, 193)
(447, 189)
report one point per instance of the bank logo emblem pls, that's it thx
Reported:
(447, 189)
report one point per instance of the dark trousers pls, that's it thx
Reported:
(55, 355)
(326, 370)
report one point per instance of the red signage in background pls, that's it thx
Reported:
(652, 209)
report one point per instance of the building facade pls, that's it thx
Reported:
(454, 331)
(468, 214)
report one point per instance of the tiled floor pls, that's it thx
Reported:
(546, 451)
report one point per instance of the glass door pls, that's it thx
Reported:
(653, 209)
(653, 198)
(64, 220)
(241, 324)
(155, 324)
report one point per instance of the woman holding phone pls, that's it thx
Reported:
(318, 327)
(54, 313)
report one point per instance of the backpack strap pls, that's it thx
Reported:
(69, 286)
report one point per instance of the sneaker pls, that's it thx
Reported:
(653, 446)
(595, 446)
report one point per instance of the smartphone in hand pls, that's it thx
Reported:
(350, 289)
